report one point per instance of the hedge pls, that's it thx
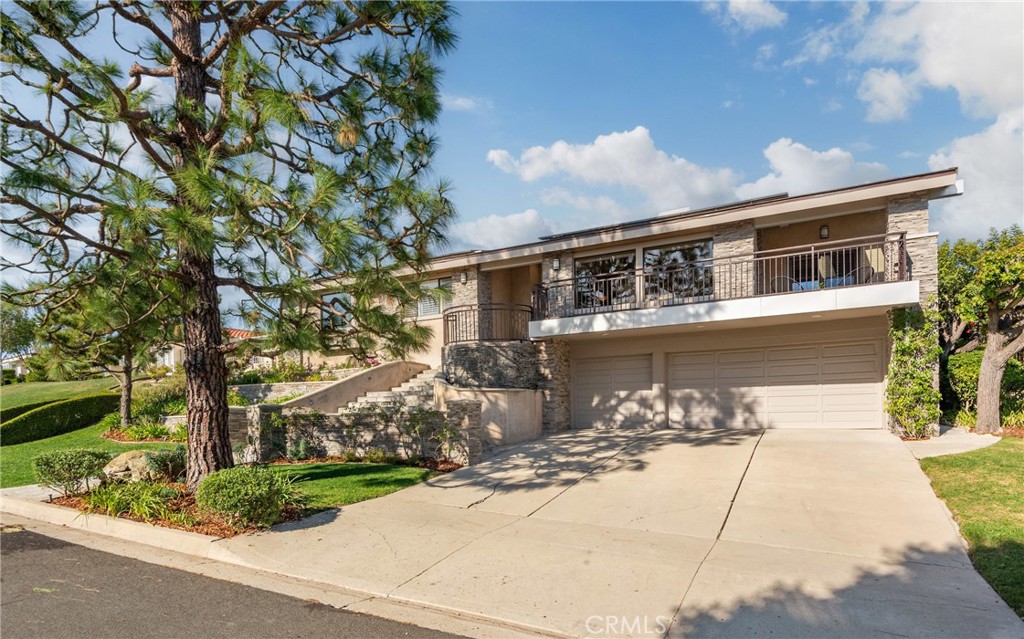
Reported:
(963, 372)
(57, 418)
(11, 413)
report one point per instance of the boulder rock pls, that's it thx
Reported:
(130, 466)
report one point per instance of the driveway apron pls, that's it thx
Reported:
(669, 532)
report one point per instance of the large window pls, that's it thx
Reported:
(430, 305)
(605, 280)
(679, 272)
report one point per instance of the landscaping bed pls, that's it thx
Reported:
(985, 491)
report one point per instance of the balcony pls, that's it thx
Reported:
(776, 282)
(486, 323)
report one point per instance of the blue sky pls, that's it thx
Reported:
(566, 115)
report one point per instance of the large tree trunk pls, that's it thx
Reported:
(209, 448)
(990, 381)
(127, 383)
(206, 375)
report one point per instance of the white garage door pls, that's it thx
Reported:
(612, 392)
(836, 385)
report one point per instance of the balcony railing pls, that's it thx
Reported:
(837, 264)
(487, 323)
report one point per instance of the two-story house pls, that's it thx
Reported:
(765, 313)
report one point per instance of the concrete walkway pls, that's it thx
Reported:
(951, 441)
(686, 534)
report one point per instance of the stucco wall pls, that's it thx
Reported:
(842, 227)
(507, 416)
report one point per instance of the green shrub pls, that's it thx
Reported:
(57, 418)
(166, 397)
(910, 398)
(169, 463)
(142, 499)
(964, 370)
(244, 495)
(69, 470)
(146, 429)
(11, 413)
(111, 421)
(237, 399)
(248, 377)
(1013, 419)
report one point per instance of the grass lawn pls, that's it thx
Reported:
(13, 395)
(985, 491)
(329, 485)
(16, 461)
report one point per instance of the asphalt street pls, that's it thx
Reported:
(53, 589)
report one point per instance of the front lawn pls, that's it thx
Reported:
(330, 485)
(16, 460)
(13, 395)
(985, 491)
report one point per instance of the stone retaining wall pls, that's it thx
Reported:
(269, 392)
(275, 431)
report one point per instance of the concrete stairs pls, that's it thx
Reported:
(416, 391)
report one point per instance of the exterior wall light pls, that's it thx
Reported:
(463, 277)
(823, 232)
(556, 264)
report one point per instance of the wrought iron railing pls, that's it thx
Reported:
(842, 263)
(487, 323)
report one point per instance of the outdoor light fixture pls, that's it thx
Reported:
(823, 232)
(463, 278)
(556, 264)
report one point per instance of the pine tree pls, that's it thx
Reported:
(255, 148)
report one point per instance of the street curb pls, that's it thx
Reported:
(181, 541)
(205, 547)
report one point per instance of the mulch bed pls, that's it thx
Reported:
(206, 524)
(121, 438)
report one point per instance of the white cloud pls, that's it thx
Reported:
(453, 102)
(991, 163)
(628, 159)
(796, 168)
(494, 231)
(824, 42)
(764, 55)
(832, 106)
(888, 94)
(975, 48)
(161, 92)
(747, 15)
(631, 159)
(605, 206)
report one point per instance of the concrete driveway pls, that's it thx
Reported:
(651, 533)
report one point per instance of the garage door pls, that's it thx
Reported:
(835, 385)
(612, 392)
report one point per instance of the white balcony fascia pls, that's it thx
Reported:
(880, 296)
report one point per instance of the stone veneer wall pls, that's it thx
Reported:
(273, 430)
(553, 361)
(909, 215)
(510, 364)
(735, 240)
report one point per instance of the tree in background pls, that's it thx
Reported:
(17, 331)
(993, 298)
(238, 146)
(957, 266)
(117, 323)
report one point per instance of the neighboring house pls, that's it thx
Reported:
(765, 313)
(173, 355)
(17, 364)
